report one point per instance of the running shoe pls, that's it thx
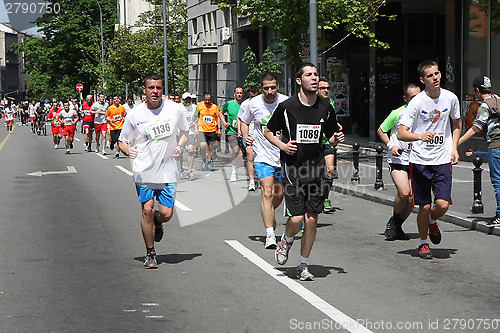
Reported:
(390, 230)
(270, 242)
(424, 252)
(281, 254)
(158, 229)
(55, 146)
(495, 222)
(190, 175)
(327, 206)
(233, 177)
(104, 152)
(401, 235)
(209, 167)
(434, 233)
(86, 148)
(117, 155)
(71, 145)
(303, 273)
(150, 261)
(251, 186)
(67, 152)
(203, 166)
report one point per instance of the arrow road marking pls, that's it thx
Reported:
(71, 169)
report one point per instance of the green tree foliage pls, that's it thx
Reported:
(137, 52)
(257, 69)
(289, 19)
(69, 52)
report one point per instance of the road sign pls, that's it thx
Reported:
(79, 87)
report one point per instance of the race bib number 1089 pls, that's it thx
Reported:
(308, 133)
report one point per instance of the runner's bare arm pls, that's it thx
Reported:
(404, 134)
(289, 148)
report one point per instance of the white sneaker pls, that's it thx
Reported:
(270, 242)
(104, 152)
(55, 146)
(303, 273)
(251, 186)
(233, 177)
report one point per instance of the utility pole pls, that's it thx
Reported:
(165, 57)
(313, 31)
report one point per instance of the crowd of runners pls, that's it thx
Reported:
(287, 143)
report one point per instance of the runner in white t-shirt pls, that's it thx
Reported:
(252, 92)
(9, 117)
(266, 155)
(434, 119)
(100, 122)
(398, 154)
(149, 138)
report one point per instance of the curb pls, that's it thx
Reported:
(454, 218)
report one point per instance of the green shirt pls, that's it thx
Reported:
(231, 109)
(332, 103)
(391, 120)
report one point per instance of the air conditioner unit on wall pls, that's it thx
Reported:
(225, 35)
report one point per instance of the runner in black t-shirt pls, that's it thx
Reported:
(304, 121)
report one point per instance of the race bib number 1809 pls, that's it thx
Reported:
(308, 133)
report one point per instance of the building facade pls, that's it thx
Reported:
(12, 77)
(463, 36)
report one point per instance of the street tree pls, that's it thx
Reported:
(69, 50)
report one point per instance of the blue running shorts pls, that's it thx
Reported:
(264, 170)
(164, 193)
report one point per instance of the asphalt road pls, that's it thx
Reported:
(71, 259)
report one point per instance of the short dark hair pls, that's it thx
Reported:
(253, 89)
(268, 76)
(237, 88)
(300, 71)
(424, 65)
(154, 77)
(323, 79)
(410, 85)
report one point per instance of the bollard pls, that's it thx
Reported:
(379, 184)
(355, 163)
(335, 173)
(477, 205)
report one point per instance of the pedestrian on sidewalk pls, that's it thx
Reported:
(398, 154)
(303, 120)
(487, 120)
(434, 119)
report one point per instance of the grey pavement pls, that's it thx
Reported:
(71, 254)
(459, 213)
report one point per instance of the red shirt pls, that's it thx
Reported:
(87, 116)
(54, 115)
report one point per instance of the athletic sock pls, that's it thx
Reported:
(424, 241)
(234, 169)
(397, 219)
(150, 249)
(270, 231)
(288, 239)
(431, 221)
(303, 260)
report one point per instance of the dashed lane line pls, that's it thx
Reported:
(342, 319)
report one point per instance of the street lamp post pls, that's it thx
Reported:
(102, 46)
(165, 58)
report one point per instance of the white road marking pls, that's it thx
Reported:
(154, 317)
(150, 304)
(71, 169)
(101, 156)
(182, 207)
(124, 170)
(76, 139)
(347, 322)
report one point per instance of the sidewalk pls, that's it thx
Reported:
(459, 212)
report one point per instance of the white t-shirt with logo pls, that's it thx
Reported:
(243, 108)
(426, 114)
(154, 133)
(259, 113)
(189, 111)
(100, 116)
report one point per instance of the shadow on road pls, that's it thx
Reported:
(437, 253)
(318, 271)
(174, 258)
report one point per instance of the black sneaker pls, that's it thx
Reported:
(424, 252)
(390, 230)
(158, 229)
(434, 233)
(71, 145)
(401, 235)
(495, 222)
